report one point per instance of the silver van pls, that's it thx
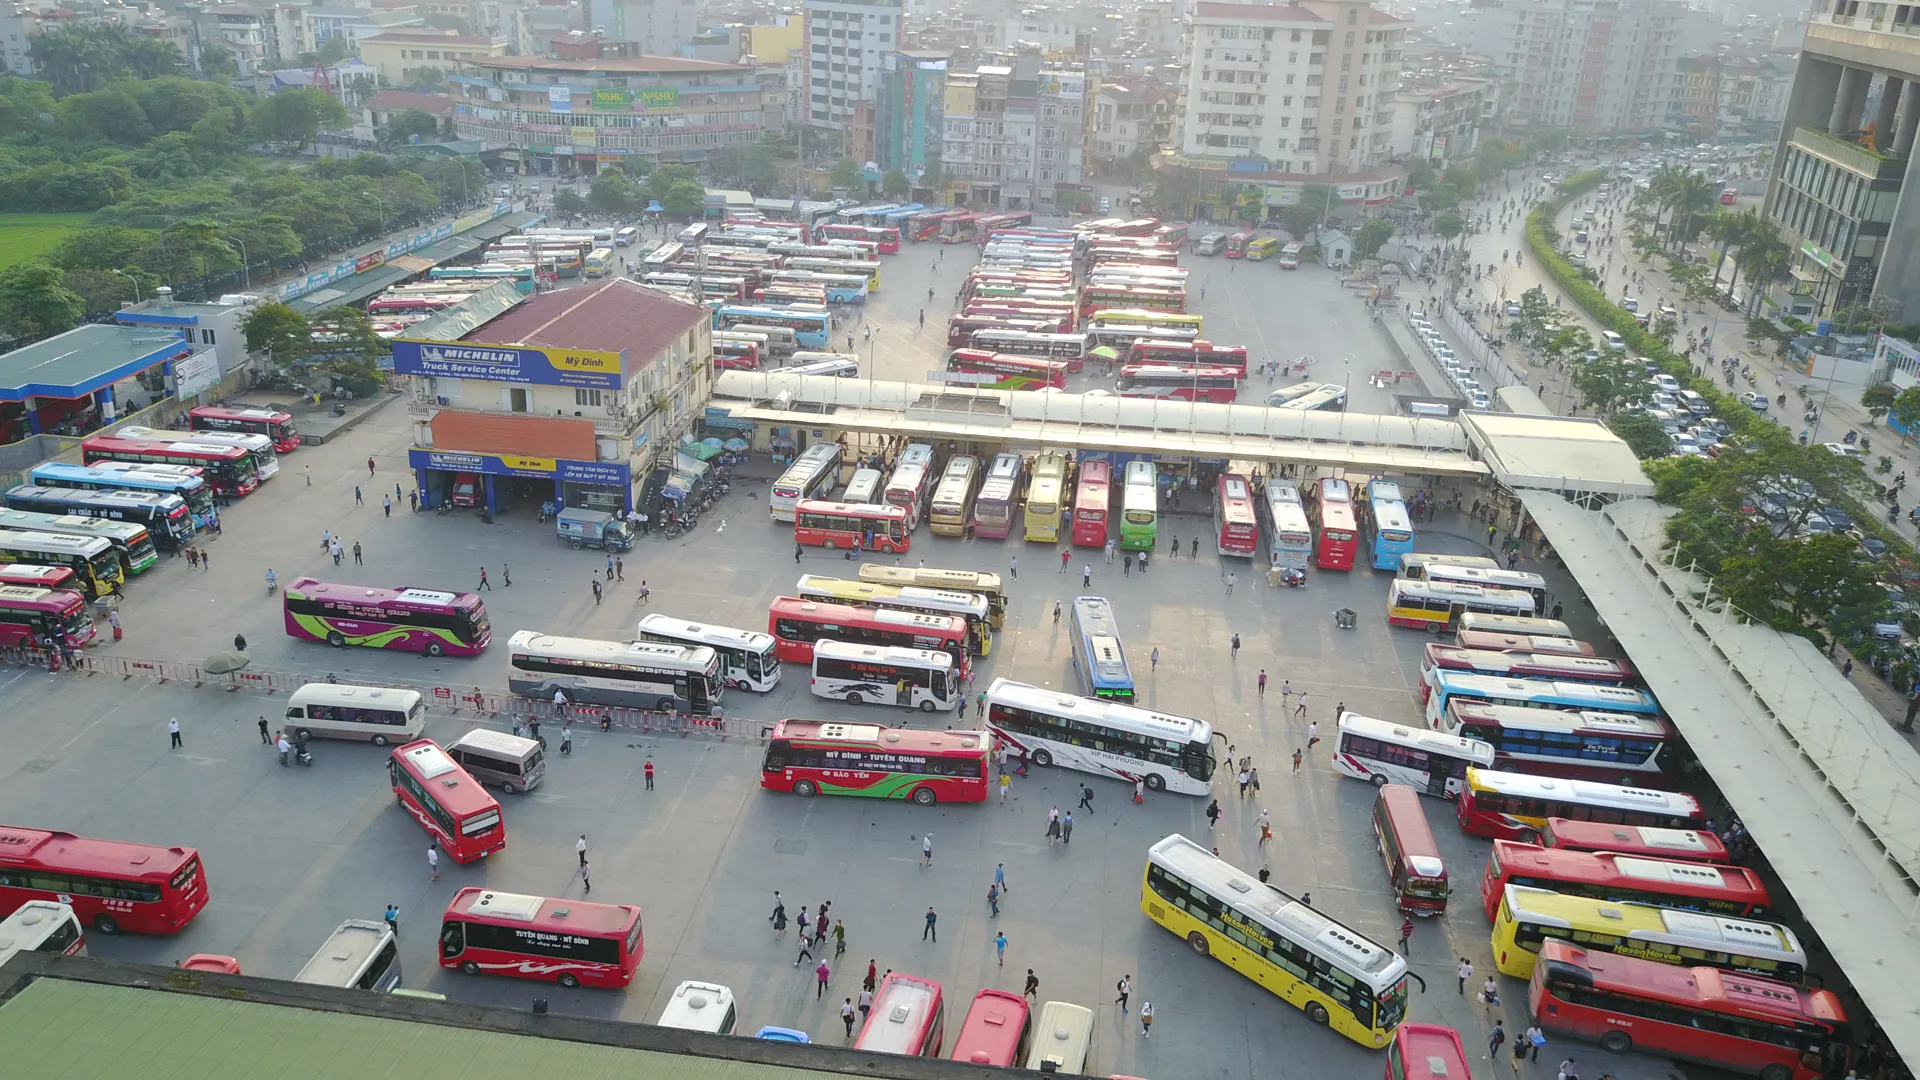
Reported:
(514, 764)
(380, 715)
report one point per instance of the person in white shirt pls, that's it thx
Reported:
(285, 748)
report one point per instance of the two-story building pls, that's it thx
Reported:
(568, 396)
(401, 55)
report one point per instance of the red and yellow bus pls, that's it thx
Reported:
(228, 469)
(796, 624)
(1427, 1052)
(815, 757)
(987, 225)
(1607, 875)
(1690, 845)
(1741, 1023)
(1579, 744)
(111, 886)
(1008, 371)
(1405, 842)
(929, 225)
(1519, 665)
(1237, 244)
(448, 803)
(1135, 227)
(275, 425)
(886, 240)
(997, 1030)
(957, 228)
(1236, 523)
(1516, 806)
(908, 1018)
(31, 616)
(1149, 350)
(869, 526)
(1332, 508)
(1179, 382)
(570, 942)
(1092, 501)
(1494, 641)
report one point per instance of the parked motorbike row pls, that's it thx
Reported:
(711, 489)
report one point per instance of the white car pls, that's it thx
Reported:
(1513, 307)
(1630, 303)
(1666, 382)
(1480, 400)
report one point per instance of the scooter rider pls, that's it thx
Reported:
(273, 580)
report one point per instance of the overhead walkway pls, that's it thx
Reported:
(1362, 442)
(1813, 770)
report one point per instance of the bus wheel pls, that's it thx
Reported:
(1776, 1071)
(336, 639)
(854, 699)
(1616, 1042)
(665, 705)
(1317, 1013)
(380, 740)
(569, 980)
(805, 789)
(829, 545)
(926, 706)
(923, 796)
(1380, 780)
(304, 734)
(1042, 758)
(1197, 942)
(106, 924)
(434, 648)
(469, 968)
(1436, 629)
(1156, 782)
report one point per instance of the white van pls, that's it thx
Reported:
(515, 764)
(699, 1006)
(1615, 343)
(377, 714)
(1212, 243)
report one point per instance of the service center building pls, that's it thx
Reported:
(565, 397)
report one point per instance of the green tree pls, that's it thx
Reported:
(36, 303)
(845, 174)
(278, 330)
(1666, 328)
(1642, 434)
(112, 113)
(1609, 382)
(332, 51)
(79, 57)
(685, 199)
(895, 185)
(218, 63)
(1305, 215)
(293, 117)
(352, 349)
(402, 126)
(664, 177)
(613, 195)
(1567, 345)
(1421, 174)
(569, 202)
(1371, 236)
(1448, 225)
(1906, 410)
(1796, 583)
(1878, 399)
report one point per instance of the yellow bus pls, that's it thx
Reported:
(1262, 247)
(1529, 916)
(1331, 972)
(953, 496)
(1144, 317)
(969, 606)
(600, 262)
(972, 581)
(1046, 497)
(1435, 606)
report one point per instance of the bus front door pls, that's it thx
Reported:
(453, 940)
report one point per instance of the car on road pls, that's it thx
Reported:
(1513, 307)
(1630, 303)
(1755, 400)
(1842, 450)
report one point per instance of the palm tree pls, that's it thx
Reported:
(1764, 256)
(1693, 196)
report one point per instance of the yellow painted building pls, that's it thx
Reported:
(399, 54)
(771, 44)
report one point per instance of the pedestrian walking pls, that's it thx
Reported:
(386, 502)
(993, 901)
(839, 938)
(1153, 661)
(1296, 760)
(205, 562)
(1032, 988)
(1846, 669)
(1053, 826)
(357, 499)
(1086, 576)
(1013, 565)
(1246, 777)
(930, 931)
(596, 592)
(239, 643)
(1000, 877)
(1065, 554)
(1194, 551)
(1066, 828)
(193, 558)
(609, 567)
(779, 920)
(369, 464)
(392, 919)
(1567, 1071)
(309, 476)
(396, 490)
(1112, 544)
(1465, 972)
(1266, 828)
(797, 549)
(1126, 565)
(846, 1016)
(620, 570)
(1174, 552)
(1496, 1040)
(483, 581)
(173, 734)
(580, 848)
(1531, 1044)
(1232, 580)
(868, 985)
(1086, 797)
(1300, 709)
(1263, 682)
(413, 501)
(1125, 987)
(1556, 610)
(1213, 814)
(1236, 646)
(806, 946)
(1406, 932)
(586, 879)
(433, 859)
(1000, 947)
(263, 732)
(1313, 726)
(338, 551)
(1146, 1019)
(1006, 782)
(357, 560)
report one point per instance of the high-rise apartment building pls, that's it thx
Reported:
(1596, 67)
(659, 26)
(1303, 88)
(847, 40)
(1014, 136)
(909, 118)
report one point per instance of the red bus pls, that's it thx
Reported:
(961, 328)
(1606, 875)
(1237, 245)
(885, 239)
(1427, 1052)
(1519, 665)
(1741, 1023)
(228, 469)
(1690, 845)
(957, 228)
(996, 1031)
(1149, 350)
(1136, 227)
(927, 226)
(111, 886)
(1092, 499)
(1333, 521)
(1094, 299)
(1414, 868)
(572, 942)
(1176, 382)
(30, 616)
(276, 426)
(871, 526)
(908, 1017)
(812, 757)
(33, 575)
(1236, 526)
(736, 355)
(1516, 806)
(1004, 221)
(796, 624)
(1579, 745)
(1523, 643)
(448, 803)
(1004, 309)
(1007, 371)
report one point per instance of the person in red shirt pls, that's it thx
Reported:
(649, 774)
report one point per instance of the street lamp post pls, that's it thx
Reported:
(135, 280)
(246, 270)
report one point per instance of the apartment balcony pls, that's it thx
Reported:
(1848, 155)
(1868, 41)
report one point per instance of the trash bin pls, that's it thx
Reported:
(1343, 618)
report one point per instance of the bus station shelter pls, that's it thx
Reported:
(72, 373)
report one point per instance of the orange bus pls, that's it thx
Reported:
(1008, 371)
(1523, 643)
(908, 1017)
(796, 624)
(809, 757)
(1426, 1052)
(870, 526)
(1412, 858)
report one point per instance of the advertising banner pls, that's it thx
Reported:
(560, 99)
(611, 473)
(509, 363)
(660, 97)
(617, 99)
(582, 138)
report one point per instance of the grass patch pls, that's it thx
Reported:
(24, 237)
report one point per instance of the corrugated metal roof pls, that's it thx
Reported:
(611, 315)
(76, 1031)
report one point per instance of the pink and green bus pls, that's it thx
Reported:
(416, 620)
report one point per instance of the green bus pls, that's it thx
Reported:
(1139, 507)
(130, 540)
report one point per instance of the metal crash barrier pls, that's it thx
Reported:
(472, 701)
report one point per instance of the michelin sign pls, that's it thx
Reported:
(509, 363)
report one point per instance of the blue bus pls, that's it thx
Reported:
(810, 328)
(181, 480)
(1097, 651)
(1392, 525)
(165, 516)
(897, 216)
(1440, 685)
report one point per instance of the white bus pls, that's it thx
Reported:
(1062, 1039)
(857, 674)
(811, 476)
(746, 656)
(626, 237)
(1289, 533)
(781, 340)
(380, 715)
(265, 461)
(700, 1006)
(1489, 622)
(864, 488)
(973, 607)
(41, 926)
(1424, 760)
(1168, 753)
(665, 678)
(839, 365)
(1497, 578)
(361, 954)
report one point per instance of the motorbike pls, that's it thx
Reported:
(303, 755)
(273, 584)
(547, 511)
(445, 507)
(1850, 437)
(1811, 415)
(1866, 445)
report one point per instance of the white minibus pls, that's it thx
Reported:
(493, 757)
(380, 715)
(700, 1006)
(361, 954)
